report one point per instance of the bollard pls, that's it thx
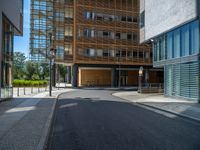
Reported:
(24, 91)
(32, 90)
(18, 91)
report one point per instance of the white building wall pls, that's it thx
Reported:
(163, 15)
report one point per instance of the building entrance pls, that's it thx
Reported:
(124, 80)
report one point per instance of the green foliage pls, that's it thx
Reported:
(62, 71)
(35, 77)
(18, 65)
(32, 70)
(43, 70)
(29, 83)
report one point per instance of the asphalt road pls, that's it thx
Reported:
(95, 120)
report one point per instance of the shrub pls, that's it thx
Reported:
(29, 83)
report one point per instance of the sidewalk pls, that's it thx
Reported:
(184, 108)
(25, 121)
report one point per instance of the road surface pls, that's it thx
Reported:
(96, 120)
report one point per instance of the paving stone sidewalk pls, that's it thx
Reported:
(25, 121)
(184, 108)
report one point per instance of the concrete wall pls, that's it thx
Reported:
(198, 7)
(163, 15)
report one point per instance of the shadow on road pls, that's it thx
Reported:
(92, 122)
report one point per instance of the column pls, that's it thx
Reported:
(75, 75)
(68, 75)
(113, 77)
(54, 75)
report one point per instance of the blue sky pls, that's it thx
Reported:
(22, 43)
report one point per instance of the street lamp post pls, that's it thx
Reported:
(119, 73)
(52, 54)
(140, 79)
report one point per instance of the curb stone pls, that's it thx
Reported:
(48, 125)
(160, 109)
(172, 112)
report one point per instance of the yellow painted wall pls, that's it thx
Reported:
(89, 77)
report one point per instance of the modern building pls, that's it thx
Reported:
(11, 24)
(98, 38)
(173, 28)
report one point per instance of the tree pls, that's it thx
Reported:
(62, 71)
(30, 69)
(43, 70)
(18, 65)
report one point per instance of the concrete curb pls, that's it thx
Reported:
(172, 112)
(160, 109)
(48, 125)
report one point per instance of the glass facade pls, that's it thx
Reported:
(182, 79)
(181, 42)
(7, 59)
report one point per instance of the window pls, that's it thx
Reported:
(129, 19)
(169, 45)
(129, 36)
(87, 15)
(69, 13)
(21, 7)
(60, 34)
(89, 33)
(99, 17)
(87, 52)
(100, 34)
(7, 61)
(135, 37)
(107, 17)
(106, 34)
(112, 53)
(60, 52)
(141, 55)
(135, 19)
(118, 53)
(123, 18)
(85, 32)
(99, 52)
(135, 54)
(106, 53)
(129, 54)
(142, 19)
(194, 37)
(158, 50)
(123, 53)
(68, 31)
(118, 35)
(68, 49)
(123, 36)
(177, 43)
(146, 55)
(185, 40)
(92, 52)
